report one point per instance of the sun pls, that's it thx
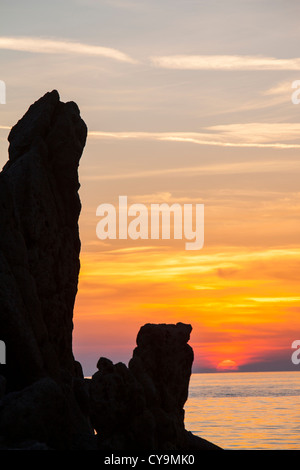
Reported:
(227, 365)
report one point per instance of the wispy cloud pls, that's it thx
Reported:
(275, 299)
(180, 62)
(250, 167)
(49, 46)
(224, 62)
(258, 135)
(281, 88)
(271, 134)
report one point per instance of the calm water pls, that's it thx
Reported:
(256, 410)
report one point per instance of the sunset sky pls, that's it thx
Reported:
(188, 102)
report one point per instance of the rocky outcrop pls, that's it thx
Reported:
(39, 267)
(39, 241)
(45, 402)
(141, 407)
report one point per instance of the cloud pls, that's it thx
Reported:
(259, 135)
(282, 88)
(48, 46)
(226, 168)
(275, 134)
(275, 299)
(224, 62)
(179, 62)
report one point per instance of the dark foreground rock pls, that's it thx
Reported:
(39, 267)
(39, 241)
(141, 407)
(45, 402)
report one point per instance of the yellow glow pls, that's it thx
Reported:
(227, 364)
(236, 306)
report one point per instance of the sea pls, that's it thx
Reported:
(245, 410)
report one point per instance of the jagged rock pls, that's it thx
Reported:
(39, 241)
(116, 399)
(163, 356)
(39, 266)
(141, 407)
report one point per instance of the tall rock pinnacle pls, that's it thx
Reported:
(39, 240)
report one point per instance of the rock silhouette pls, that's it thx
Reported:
(39, 266)
(141, 407)
(45, 402)
(39, 240)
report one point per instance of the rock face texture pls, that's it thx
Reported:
(39, 266)
(39, 240)
(45, 402)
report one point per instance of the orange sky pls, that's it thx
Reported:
(240, 292)
(185, 102)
